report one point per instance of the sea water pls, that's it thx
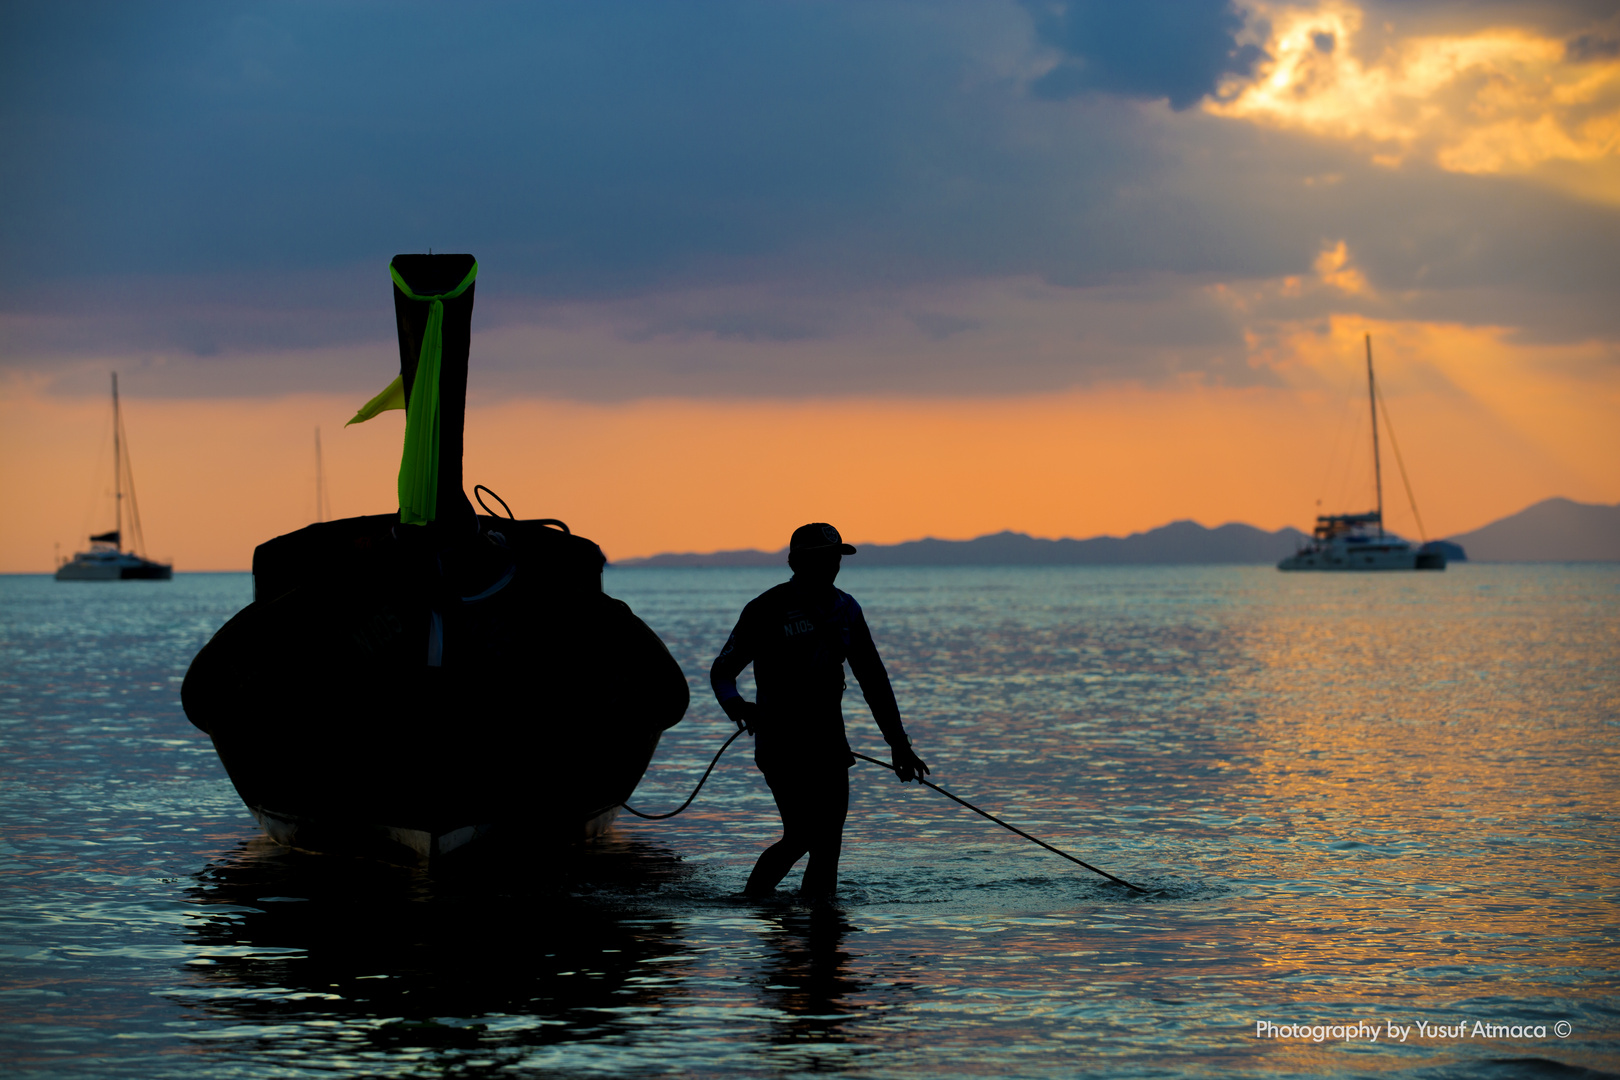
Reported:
(1375, 816)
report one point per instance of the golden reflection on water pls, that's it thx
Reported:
(1431, 786)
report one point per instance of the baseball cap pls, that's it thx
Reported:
(818, 536)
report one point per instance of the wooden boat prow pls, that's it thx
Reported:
(411, 683)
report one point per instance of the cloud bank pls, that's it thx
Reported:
(796, 199)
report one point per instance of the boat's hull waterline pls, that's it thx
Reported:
(1401, 556)
(357, 708)
(113, 566)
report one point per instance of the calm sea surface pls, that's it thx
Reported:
(1360, 801)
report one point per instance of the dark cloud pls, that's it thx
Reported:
(1591, 46)
(583, 150)
(1556, 18)
(204, 184)
(1175, 50)
(595, 147)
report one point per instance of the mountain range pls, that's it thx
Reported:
(1554, 530)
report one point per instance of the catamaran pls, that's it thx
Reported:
(107, 559)
(1358, 541)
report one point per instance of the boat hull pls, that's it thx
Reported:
(392, 842)
(1363, 560)
(363, 702)
(125, 568)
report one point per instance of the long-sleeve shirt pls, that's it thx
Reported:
(798, 652)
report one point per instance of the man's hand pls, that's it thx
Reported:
(907, 765)
(743, 713)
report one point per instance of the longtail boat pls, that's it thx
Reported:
(415, 682)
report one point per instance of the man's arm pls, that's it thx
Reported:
(737, 654)
(869, 671)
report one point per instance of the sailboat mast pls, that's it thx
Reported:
(118, 469)
(1372, 403)
(320, 480)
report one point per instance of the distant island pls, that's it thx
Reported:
(1553, 530)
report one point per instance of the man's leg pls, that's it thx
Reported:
(790, 790)
(828, 806)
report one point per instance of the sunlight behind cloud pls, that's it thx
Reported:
(1551, 404)
(1501, 100)
(1333, 267)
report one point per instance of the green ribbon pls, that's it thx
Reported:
(419, 465)
(392, 397)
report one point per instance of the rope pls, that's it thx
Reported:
(480, 487)
(1410, 498)
(982, 813)
(1010, 828)
(689, 798)
(477, 488)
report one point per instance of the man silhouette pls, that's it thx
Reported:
(798, 635)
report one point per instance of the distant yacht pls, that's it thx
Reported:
(1358, 541)
(107, 560)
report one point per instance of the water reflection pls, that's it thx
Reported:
(807, 978)
(353, 958)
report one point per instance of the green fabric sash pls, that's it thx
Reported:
(419, 465)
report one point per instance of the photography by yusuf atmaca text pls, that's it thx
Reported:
(1391, 1031)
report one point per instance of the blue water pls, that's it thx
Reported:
(1358, 800)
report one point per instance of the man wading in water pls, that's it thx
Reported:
(798, 636)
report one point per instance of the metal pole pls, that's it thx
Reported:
(118, 470)
(1372, 403)
(320, 481)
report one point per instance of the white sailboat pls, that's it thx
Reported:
(108, 559)
(1358, 541)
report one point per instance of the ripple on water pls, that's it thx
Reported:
(1349, 800)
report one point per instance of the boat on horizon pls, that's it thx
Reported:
(408, 684)
(1358, 541)
(107, 559)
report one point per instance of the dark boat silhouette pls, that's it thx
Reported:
(430, 678)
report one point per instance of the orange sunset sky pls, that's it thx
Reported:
(919, 272)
